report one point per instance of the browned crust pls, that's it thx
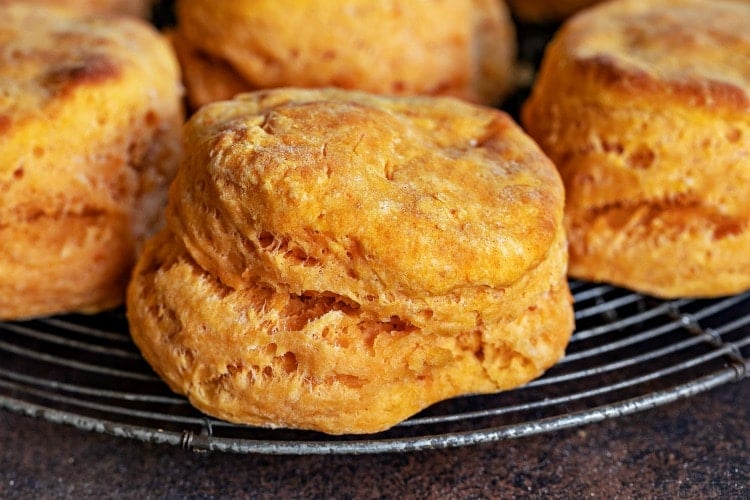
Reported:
(94, 69)
(607, 74)
(683, 52)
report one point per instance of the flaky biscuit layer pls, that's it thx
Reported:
(257, 356)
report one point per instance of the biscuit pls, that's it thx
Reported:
(90, 118)
(463, 48)
(547, 11)
(645, 109)
(337, 261)
(139, 8)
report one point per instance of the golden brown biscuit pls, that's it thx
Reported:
(546, 11)
(644, 107)
(90, 118)
(338, 261)
(464, 48)
(139, 8)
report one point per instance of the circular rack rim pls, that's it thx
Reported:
(202, 442)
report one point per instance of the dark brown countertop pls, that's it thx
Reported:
(694, 448)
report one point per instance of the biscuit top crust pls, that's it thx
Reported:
(421, 195)
(697, 49)
(49, 54)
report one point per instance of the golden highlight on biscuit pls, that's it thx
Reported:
(645, 109)
(90, 118)
(338, 261)
(463, 48)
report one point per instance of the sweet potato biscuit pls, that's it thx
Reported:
(337, 261)
(90, 118)
(464, 48)
(644, 107)
(547, 11)
(139, 8)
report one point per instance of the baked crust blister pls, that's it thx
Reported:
(338, 261)
(644, 108)
(463, 48)
(90, 118)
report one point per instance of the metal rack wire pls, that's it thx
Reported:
(629, 353)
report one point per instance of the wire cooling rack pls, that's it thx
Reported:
(629, 353)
